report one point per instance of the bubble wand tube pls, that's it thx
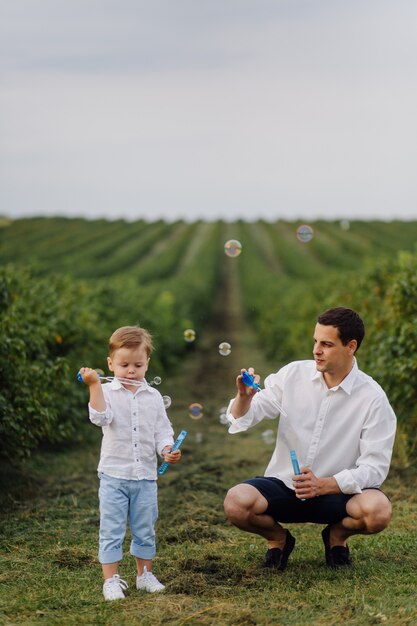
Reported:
(295, 465)
(177, 445)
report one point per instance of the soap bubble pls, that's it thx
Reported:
(195, 411)
(225, 348)
(344, 224)
(157, 380)
(268, 436)
(167, 401)
(100, 372)
(199, 437)
(232, 248)
(305, 233)
(189, 335)
(223, 415)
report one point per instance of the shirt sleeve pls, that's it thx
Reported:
(375, 450)
(266, 404)
(100, 418)
(164, 433)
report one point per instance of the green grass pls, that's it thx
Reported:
(213, 572)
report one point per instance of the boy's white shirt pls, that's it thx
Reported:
(135, 427)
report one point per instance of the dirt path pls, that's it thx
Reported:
(206, 377)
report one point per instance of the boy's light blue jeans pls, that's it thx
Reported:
(120, 499)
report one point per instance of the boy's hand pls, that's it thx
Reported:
(171, 457)
(89, 376)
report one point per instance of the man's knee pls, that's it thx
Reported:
(238, 503)
(233, 505)
(377, 514)
(378, 518)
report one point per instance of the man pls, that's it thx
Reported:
(342, 427)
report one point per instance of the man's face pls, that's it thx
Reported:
(332, 358)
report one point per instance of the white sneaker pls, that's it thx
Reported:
(113, 588)
(149, 582)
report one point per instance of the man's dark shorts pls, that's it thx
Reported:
(284, 506)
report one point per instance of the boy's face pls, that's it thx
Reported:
(129, 363)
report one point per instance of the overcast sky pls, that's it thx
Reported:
(208, 108)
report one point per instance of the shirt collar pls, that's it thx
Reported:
(346, 384)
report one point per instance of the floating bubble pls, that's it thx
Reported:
(100, 372)
(233, 248)
(157, 380)
(195, 411)
(223, 419)
(305, 233)
(223, 415)
(167, 401)
(225, 348)
(268, 436)
(199, 437)
(189, 335)
(344, 224)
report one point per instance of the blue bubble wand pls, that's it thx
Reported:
(177, 445)
(249, 381)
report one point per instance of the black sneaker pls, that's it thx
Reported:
(276, 558)
(338, 556)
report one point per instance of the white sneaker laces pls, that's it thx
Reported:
(122, 583)
(115, 586)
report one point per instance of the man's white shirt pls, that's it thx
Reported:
(347, 431)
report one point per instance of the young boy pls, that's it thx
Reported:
(135, 426)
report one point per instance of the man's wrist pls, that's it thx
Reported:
(327, 486)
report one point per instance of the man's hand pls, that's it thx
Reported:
(246, 390)
(308, 485)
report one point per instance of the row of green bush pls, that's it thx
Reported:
(51, 326)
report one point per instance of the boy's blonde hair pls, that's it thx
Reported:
(130, 337)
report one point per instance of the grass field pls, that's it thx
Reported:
(213, 572)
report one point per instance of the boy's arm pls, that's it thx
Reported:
(164, 433)
(92, 380)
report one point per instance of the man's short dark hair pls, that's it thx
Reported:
(347, 322)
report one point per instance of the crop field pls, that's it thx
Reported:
(65, 285)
